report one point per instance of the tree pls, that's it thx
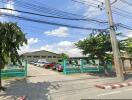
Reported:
(96, 47)
(64, 56)
(126, 45)
(11, 39)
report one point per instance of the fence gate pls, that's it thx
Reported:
(82, 66)
(15, 70)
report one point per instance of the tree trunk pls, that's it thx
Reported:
(1, 87)
(131, 62)
(106, 70)
(104, 64)
(0, 79)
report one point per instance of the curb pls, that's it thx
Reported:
(114, 85)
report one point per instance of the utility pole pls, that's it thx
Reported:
(115, 48)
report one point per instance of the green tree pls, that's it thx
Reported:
(11, 39)
(96, 47)
(126, 45)
(64, 56)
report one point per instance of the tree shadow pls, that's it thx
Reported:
(32, 91)
(128, 76)
(111, 74)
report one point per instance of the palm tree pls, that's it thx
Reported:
(11, 39)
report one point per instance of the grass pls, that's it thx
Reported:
(4, 78)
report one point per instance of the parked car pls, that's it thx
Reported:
(31, 62)
(49, 65)
(41, 64)
(59, 67)
(35, 63)
(55, 66)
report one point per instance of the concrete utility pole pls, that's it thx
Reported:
(117, 58)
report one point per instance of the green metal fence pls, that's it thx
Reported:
(82, 66)
(15, 70)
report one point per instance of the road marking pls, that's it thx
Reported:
(109, 93)
(128, 90)
(115, 92)
(108, 87)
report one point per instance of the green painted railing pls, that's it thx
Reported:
(83, 68)
(15, 70)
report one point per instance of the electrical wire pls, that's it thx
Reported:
(40, 9)
(86, 3)
(48, 9)
(53, 16)
(53, 23)
(121, 10)
(55, 12)
(122, 15)
(124, 26)
(126, 2)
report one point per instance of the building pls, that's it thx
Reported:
(43, 54)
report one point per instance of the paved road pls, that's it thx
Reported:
(45, 84)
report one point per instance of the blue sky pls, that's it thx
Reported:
(60, 39)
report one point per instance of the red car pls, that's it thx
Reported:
(49, 65)
(59, 68)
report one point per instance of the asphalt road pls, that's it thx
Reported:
(121, 93)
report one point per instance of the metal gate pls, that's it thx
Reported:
(15, 70)
(82, 66)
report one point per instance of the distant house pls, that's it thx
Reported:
(43, 54)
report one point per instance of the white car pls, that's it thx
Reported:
(41, 64)
(35, 63)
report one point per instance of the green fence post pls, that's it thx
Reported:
(109, 64)
(25, 68)
(64, 66)
(81, 65)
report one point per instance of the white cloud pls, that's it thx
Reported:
(9, 5)
(92, 12)
(129, 34)
(60, 32)
(32, 41)
(65, 43)
(26, 48)
(63, 47)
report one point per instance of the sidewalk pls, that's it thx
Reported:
(115, 85)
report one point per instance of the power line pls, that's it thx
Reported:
(86, 3)
(54, 12)
(122, 10)
(124, 26)
(54, 23)
(126, 2)
(115, 12)
(122, 15)
(53, 16)
(50, 10)
(43, 9)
